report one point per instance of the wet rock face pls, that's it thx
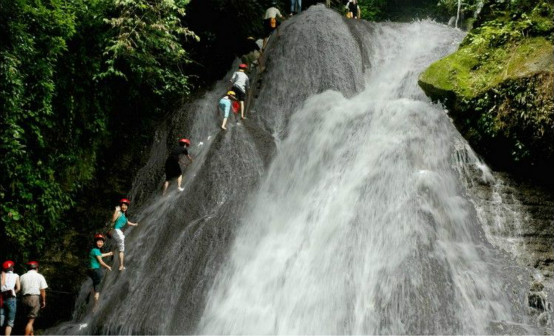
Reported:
(519, 219)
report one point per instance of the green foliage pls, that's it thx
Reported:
(147, 46)
(34, 38)
(372, 10)
(74, 76)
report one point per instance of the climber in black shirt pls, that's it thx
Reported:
(172, 166)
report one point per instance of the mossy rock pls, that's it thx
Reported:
(501, 100)
(468, 73)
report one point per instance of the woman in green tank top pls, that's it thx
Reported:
(119, 219)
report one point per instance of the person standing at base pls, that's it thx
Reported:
(10, 286)
(224, 106)
(95, 271)
(241, 84)
(33, 287)
(120, 220)
(173, 167)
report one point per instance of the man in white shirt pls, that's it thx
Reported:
(10, 286)
(33, 287)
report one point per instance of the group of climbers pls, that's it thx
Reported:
(31, 286)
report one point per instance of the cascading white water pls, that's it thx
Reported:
(458, 13)
(362, 224)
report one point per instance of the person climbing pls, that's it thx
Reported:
(250, 52)
(240, 85)
(10, 286)
(95, 271)
(224, 106)
(295, 6)
(33, 287)
(353, 10)
(119, 220)
(270, 22)
(172, 167)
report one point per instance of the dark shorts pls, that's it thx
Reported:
(239, 94)
(172, 170)
(31, 305)
(268, 28)
(96, 275)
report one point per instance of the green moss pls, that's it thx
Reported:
(473, 69)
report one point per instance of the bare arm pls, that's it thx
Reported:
(189, 157)
(3, 282)
(132, 224)
(102, 261)
(17, 285)
(42, 298)
(116, 213)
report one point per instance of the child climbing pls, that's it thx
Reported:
(241, 84)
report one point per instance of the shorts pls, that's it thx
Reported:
(31, 303)
(96, 275)
(7, 312)
(239, 93)
(119, 239)
(172, 170)
(224, 112)
(268, 28)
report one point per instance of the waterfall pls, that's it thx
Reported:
(458, 13)
(338, 207)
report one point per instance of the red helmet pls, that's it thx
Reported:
(243, 66)
(99, 236)
(7, 264)
(184, 141)
(124, 201)
(32, 264)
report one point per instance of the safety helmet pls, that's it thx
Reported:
(32, 264)
(243, 66)
(184, 141)
(124, 201)
(99, 236)
(7, 264)
(231, 93)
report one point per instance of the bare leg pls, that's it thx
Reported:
(96, 299)
(166, 184)
(224, 123)
(242, 110)
(121, 259)
(8, 330)
(179, 180)
(29, 327)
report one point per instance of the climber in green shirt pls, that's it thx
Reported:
(95, 263)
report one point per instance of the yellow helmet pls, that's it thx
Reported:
(231, 93)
